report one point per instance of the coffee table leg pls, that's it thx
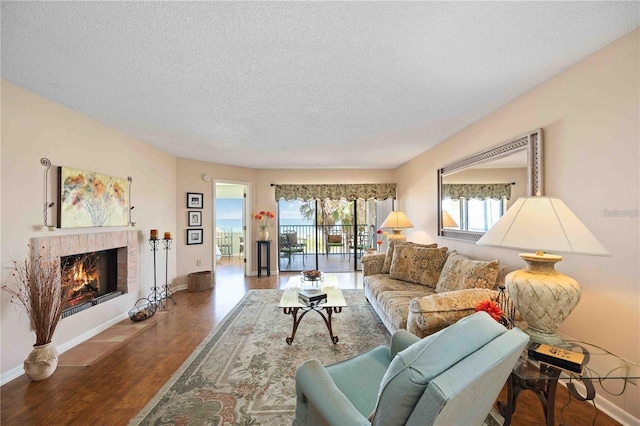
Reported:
(296, 321)
(327, 321)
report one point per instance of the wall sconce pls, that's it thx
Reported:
(130, 179)
(47, 205)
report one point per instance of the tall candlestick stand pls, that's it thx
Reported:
(155, 297)
(167, 293)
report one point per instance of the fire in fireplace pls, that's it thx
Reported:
(93, 279)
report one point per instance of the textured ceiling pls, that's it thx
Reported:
(297, 84)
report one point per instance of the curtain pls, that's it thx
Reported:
(481, 191)
(366, 191)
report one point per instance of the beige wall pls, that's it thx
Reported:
(32, 128)
(189, 178)
(590, 118)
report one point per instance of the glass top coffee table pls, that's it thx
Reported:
(292, 306)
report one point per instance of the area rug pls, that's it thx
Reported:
(243, 372)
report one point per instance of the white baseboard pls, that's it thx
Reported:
(16, 372)
(607, 407)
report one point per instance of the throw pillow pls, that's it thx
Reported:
(418, 265)
(460, 272)
(386, 266)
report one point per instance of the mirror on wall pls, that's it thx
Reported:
(474, 192)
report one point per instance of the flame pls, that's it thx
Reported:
(82, 277)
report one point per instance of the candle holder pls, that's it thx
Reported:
(155, 297)
(167, 293)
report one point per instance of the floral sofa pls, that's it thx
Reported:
(423, 288)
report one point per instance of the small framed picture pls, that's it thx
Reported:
(194, 200)
(194, 236)
(195, 218)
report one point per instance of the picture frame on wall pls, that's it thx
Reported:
(194, 218)
(194, 236)
(195, 200)
(89, 199)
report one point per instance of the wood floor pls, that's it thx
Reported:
(114, 389)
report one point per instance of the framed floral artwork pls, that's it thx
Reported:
(195, 200)
(89, 199)
(194, 236)
(195, 218)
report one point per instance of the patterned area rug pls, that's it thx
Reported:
(243, 372)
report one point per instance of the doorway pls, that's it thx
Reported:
(230, 226)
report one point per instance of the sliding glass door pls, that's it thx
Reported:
(328, 235)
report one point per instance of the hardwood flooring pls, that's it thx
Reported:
(115, 388)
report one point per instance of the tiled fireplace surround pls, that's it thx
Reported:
(66, 245)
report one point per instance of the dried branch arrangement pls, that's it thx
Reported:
(39, 292)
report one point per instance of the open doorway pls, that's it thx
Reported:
(230, 226)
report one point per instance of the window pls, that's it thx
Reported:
(473, 215)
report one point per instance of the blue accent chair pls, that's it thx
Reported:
(452, 377)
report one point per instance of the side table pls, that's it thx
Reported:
(266, 265)
(542, 379)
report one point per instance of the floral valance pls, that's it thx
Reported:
(365, 191)
(481, 191)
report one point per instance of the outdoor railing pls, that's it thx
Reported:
(307, 235)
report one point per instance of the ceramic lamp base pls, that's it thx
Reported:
(397, 235)
(543, 296)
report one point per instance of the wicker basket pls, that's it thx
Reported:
(200, 281)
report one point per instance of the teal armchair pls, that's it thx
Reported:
(452, 377)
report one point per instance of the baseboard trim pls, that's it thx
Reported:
(18, 371)
(607, 407)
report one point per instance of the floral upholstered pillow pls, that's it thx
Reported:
(386, 267)
(460, 272)
(418, 265)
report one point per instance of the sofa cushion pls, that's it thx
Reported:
(460, 272)
(386, 267)
(434, 312)
(418, 265)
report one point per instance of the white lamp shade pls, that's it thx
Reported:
(542, 224)
(447, 220)
(397, 220)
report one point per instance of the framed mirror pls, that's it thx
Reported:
(474, 192)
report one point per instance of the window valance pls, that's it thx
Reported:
(352, 191)
(481, 191)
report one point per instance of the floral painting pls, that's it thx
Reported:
(90, 199)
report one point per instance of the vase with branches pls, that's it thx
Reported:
(39, 290)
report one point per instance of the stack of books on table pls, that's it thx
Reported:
(312, 297)
(558, 357)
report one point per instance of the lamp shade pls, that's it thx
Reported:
(447, 220)
(542, 224)
(397, 220)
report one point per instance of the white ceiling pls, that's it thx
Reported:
(297, 84)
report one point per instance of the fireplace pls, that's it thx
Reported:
(93, 279)
(110, 271)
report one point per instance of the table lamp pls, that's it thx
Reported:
(397, 221)
(448, 221)
(543, 296)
